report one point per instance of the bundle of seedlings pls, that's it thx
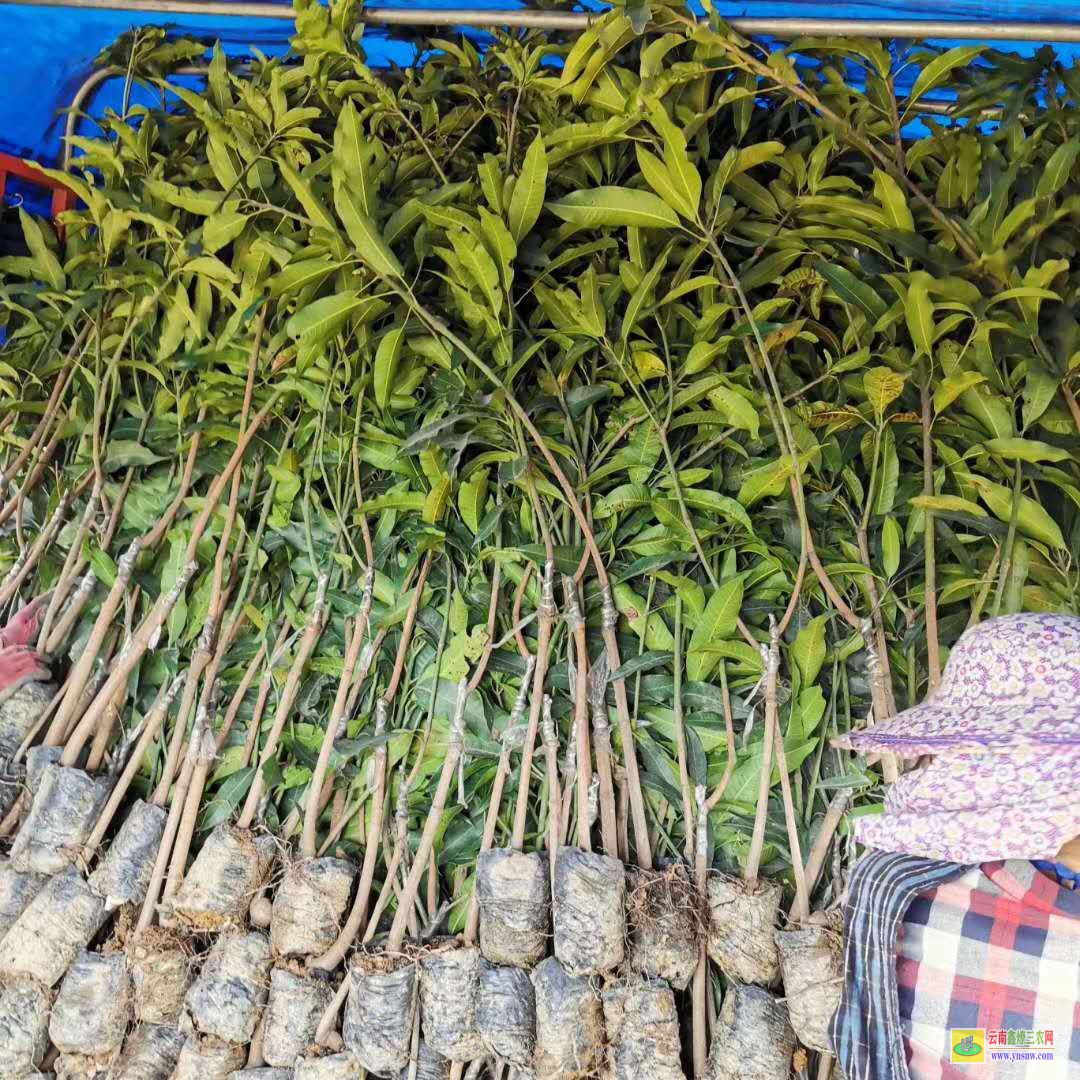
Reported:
(687, 368)
(383, 983)
(90, 1015)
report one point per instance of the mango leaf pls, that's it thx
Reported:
(1057, 169)
(919, 312)
(953, 386)
(717, 622)
(1030, 450)
(528, 197)
(853, 290)
(882, 387)
(615, 206)
(386, 361)
(365, 237)
(936, 71)
(891, 537)
(808, 649)
(1031, 519)
(888, 192)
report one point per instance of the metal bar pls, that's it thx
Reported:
(572, 20)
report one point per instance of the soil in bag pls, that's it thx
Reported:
(589, 911)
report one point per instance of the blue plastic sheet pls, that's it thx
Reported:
(46, 53)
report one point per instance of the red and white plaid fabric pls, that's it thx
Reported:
(997, 948)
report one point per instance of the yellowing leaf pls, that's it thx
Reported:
(615, 206)
(882, 386)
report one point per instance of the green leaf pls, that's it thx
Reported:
(1057, 169)
(935, 72)
(919, 312)
(386, 361)
(1031, 519)
(659, 178)
(808, 649)
(891, 196)
(768, 479)
(320, 321)
(952, 387)
(365, 237)
(891, 538)
(882, 387)
(47, 264)
(739, 411)
(313, 206)
(948, 504)
(528, 197)
(350, 157)
(471, 498)
(615, 207)
(1026, 450)
(124, 453)
(624, 497)
(717, 622)
(853, 290)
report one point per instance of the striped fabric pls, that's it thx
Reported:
(933, 947)
(866, 1030)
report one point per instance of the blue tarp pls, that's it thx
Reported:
(46, 53)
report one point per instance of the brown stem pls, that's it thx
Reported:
(546, 613)
(700, 989)
(1070, 400)
(489, 648)
(52, 405)
(407, 629)
(80, 673)
(70, 570)
(576, 625)
(172, 823)
(314, 629)
(454, 747)
(204, 758)
(830, 823)
(757, 843)
(32, 478)
(154, 719)
(680, 739)
(358, 914)
(238, 697)
(551, 755)
(125, 664)
(337, 715)
(729, 726)
(502, 771)
(70, 615)
(29, 559)
(772, 716)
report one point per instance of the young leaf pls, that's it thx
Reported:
(528, 197)
(717, 622)
(615, 206)
(386, 361)
(808, 650)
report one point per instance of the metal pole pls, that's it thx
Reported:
(554, 20)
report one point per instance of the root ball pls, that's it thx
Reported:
(379, 1014)
(55, 927)
(332, 1067)
(150, 1053)
(449, 993)
(642, 1026)
(569, 1024)
(21, 707)
(230, 991)
(61, 817)
(506, 1013)
(666, 918)
(24, 1020)
(231, 867)
(742, 927)
(208, 1059)
(812, 962)
(123, 875)
(16, 891)
(753, 1039)
(589, 911)
(309, 906)
(429, 1065)
(93, 1008)
(161, 972)
(514, 897)
(293, 1012)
